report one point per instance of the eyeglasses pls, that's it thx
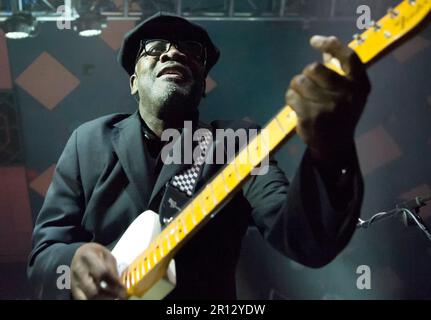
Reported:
(156, 47)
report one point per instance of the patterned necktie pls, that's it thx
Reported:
(186, 181)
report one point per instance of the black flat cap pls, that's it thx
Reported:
(168, 27)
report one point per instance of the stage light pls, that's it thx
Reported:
(90, 24)
(20, 26)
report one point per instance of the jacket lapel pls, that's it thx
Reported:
(128, 144)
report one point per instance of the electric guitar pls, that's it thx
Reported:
(145, 252)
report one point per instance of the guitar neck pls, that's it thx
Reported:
(199, 210)
(369, 46)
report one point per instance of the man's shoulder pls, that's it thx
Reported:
(100, 130)
(102, 124)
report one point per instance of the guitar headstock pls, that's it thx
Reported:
(399, 24)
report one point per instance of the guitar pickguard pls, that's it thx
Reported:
(133, 242)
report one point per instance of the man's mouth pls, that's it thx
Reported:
(176, 71)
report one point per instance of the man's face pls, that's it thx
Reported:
(169, 84)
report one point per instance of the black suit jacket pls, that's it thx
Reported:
(102, 182)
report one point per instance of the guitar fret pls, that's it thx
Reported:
(234, 164)
(136, 273)
(276, 134)
(159, 251)
(182, 226)
(148, 263)
(130, 279)
(282, 120)
(138, 277)
(229, 179)
(125, 280)
(210, 185)
(132, 282)
(179, 230)
(162, 251)
(263, 150)
(245, 169)
(219, 187)
(224, 182)
(280, 125)
(135, 278)
(185, 226)
(202, 203)
(171, 235)
(193, 218)
(196, 210)
(141, 269)
(128, 283)
(177, 236)
(188, 221)
(254, 154)
(209, 201)
(168, 241)
(264, 142)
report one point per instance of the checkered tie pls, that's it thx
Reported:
(186, 180)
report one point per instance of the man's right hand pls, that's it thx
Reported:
(94, 274)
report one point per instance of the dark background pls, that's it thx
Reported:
(56, 81)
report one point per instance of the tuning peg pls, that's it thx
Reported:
(375, 26)
(358, 38)
(393, 13)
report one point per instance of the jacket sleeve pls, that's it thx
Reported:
(310, 220)
(58, 232)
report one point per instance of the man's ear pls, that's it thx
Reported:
(133, 84)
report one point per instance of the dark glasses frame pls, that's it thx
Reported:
(143, 43)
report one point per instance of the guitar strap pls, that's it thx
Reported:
(181, 187)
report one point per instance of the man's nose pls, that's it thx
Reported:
(173, 54)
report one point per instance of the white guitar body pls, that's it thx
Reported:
(133, 242)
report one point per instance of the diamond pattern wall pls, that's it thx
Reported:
(211, 84)
(411, 48)
(15, 217)
(376, 148)
(5, 77)
(47, 80)
(114, 33)
(41, 183)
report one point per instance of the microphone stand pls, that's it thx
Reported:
(409, 211)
